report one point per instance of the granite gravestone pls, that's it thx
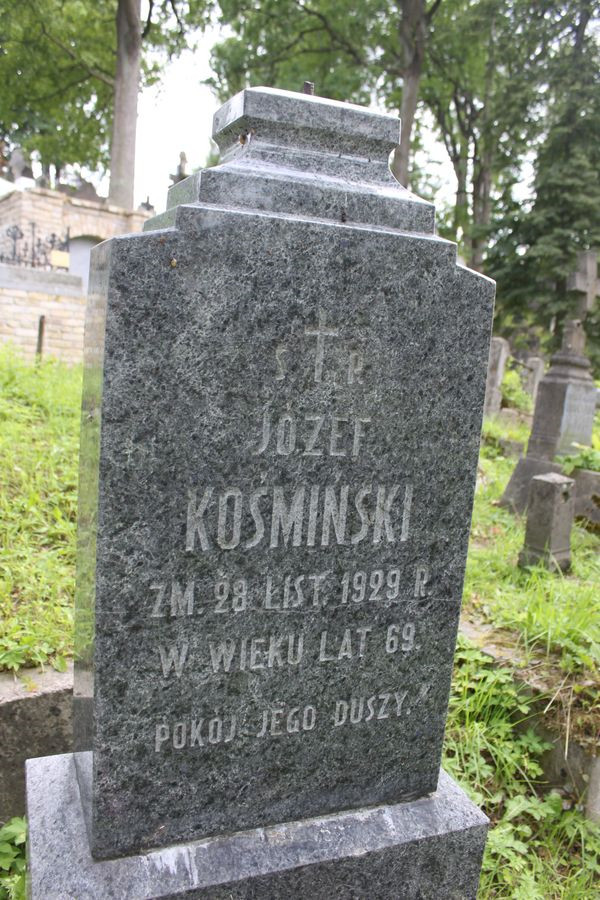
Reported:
(549, 518)
(533, 372)
(567, 396)
(282, 407)
(499, 354)
(563, 416)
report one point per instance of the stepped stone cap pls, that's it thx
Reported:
(295, 154)
(282, 116)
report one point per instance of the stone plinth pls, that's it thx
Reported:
(35, 719)
(549, 520)
(423, 850)
(499, 354)
(566, 400)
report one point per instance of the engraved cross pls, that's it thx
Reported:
(585, 281)
(320, 332)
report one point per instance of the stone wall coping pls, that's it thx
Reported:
(101, 204)
(33, 682)
(41, 280)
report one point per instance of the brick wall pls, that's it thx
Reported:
(54, 212)
(27, 294)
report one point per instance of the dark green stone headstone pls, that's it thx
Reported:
(283, 396)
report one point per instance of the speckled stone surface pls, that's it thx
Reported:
(427, 849)
(282, 408)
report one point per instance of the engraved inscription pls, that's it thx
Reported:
(325, 337)
(313, 435)
(308, 515)
(320, 332)
(201, 730)
(275, 605)
(280, 592)
(279, 650)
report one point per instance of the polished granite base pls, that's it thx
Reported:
(427, 848)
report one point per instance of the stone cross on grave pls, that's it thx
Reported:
(566, 399)
(585, 282)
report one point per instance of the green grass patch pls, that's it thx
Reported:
(513, 393)
(550, 613)
(39, 441)
(536, 849)
(585, 458)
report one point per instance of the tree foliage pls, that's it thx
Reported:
(57, 70)
(486, 65)
(536, 244)
(361, 53)
(57, 78)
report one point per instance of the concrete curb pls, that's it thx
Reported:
(35, 720)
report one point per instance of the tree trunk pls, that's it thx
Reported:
(412, 32)
(482, 211)
(460, 218)
(410, 95)
(461, 206)
(127, 78)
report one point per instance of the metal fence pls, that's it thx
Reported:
(33, 251)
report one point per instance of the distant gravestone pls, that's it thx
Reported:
(566, 399)
(499, 354)
(584, 282)
(534, 372)
(549, 518)
(17, 163)
(180, 174)
(275, 504)
(564, 413)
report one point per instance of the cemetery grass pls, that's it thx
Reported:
(539, 846)
(39, 436)
(547, 625)
(536, 848)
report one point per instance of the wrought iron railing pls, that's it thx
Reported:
(33, 251)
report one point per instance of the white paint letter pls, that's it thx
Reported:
(382, 514)
(335, 514)
(173, 658)
(257, 516)
(363, 513)
(232, 542)
(195, 523)
(287, 520)
(182, 603)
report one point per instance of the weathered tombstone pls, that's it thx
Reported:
(276, 493)
(563, 416)
(564, 413)
(180, 174)
(584, 282)
(499, 353)
(587, 498)
(534, 372)
(549, 518)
